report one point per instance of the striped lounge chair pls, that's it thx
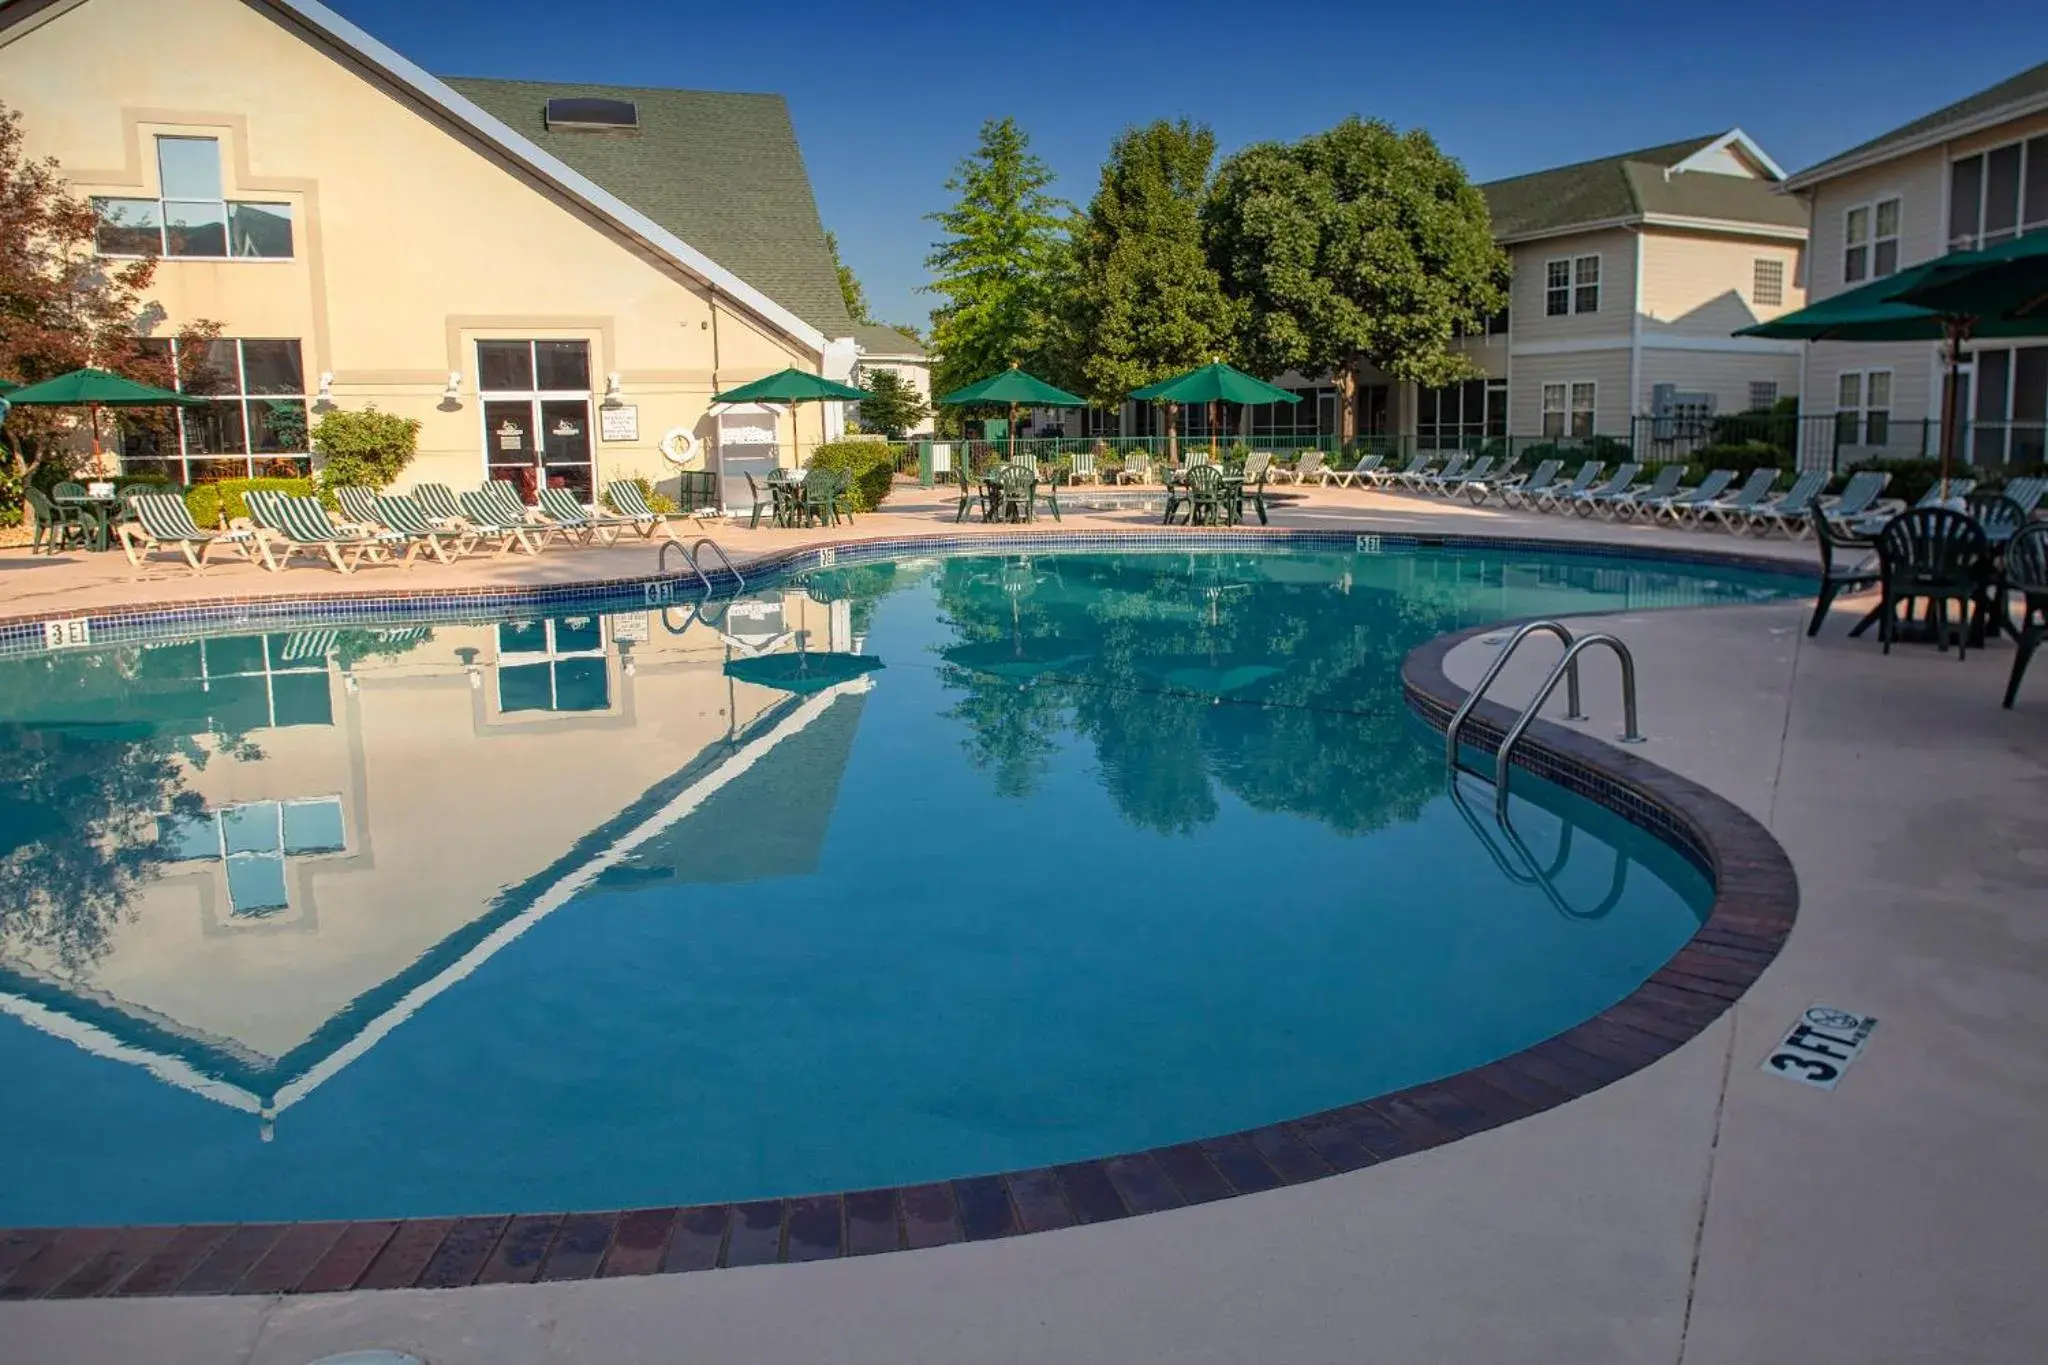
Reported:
(559, 506)
(437, 538)
(293, 526)
(630, 503)
(162, 521)
(485, 517)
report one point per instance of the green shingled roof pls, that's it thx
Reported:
(2027, 85)
(1629, 186)
(879, 338)
(721, 171)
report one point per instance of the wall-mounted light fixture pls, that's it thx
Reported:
(614, 391)
(326, 386)
(454, 389)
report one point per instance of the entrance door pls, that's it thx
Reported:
(536, 409)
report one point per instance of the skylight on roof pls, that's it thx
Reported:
(586, 112)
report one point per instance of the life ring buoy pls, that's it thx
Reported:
(681, 448)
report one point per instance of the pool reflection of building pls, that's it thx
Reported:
(376, 826)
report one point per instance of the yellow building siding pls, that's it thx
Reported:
(1617, 253)
(412, 240)
(1607, 369)
(1726, 375)
(1704, 284)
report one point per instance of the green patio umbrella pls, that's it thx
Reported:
(792, 386)
(802, 672)
(1967, 300)
(1215, 384)
(1018, 389)
(93, 390)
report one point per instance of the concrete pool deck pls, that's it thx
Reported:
(1698, 1211)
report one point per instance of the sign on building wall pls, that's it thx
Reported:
(620, 423)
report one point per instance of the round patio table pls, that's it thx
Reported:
(100, 512)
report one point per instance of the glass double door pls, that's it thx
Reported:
(537, 414)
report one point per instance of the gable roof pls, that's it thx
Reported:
(880, 339)
(720, 170)
(323, 25)
(1633, 186)
(2013, 97)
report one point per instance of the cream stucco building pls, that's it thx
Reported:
(1973, 173)
(551, 278)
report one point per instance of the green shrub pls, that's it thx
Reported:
(872, 464)
(1741, 456)
(366, 449)
(216, 504)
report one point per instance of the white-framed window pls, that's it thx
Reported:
(253, 423)
(191, 216)
(1863, 408)
(1998, 194)
(555, 665)
(1767, 283)
(1568, 409)
(252, 840)
(1870, 241)
(1283, 420)
(2008, 414)
(1462, 415)
(1763, 394)
(1571, 284)
(536, 414)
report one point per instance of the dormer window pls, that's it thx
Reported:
(190, 218)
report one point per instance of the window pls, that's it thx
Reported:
(1269, 420)
(1870, 241)
(1999, 194)
(1767, 288)
(1763, 394)
(252, 841)
(253, 423)
(557, 665)
(1863, 408)
(1568, 409)
(1582, 410)
(1461, 416)
(2009, 414)
(1571, 286)
(191, 217)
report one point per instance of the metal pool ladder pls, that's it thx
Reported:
(1567, 668)
(690, 553)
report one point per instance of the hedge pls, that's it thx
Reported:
(872, 464)
(217, 504)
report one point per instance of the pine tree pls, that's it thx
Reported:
(1141, 301)
(994, 268)
(896, 407)
(1359, 245)
(849, 284)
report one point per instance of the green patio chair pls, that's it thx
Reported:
(1016, 493)
(1999, 516)
(1253, 489)
(1509, 484)
(1207, 496)
(842, 494)
(760, 502)
(2026, 574)
(820, 497)
(972, 498)
(1934, 555)
(67, 489)
(58, 528)
(1847, 564)
(162, 520)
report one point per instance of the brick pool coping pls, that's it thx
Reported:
(1755, 902)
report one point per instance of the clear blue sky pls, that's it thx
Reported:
(888, 97)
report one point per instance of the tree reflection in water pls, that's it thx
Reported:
(1273, 679)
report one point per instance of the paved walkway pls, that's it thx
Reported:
(1701, 1211)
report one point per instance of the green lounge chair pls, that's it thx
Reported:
(2026, 492)
(1354, 477)
(1429, 480)
(1522, 491)
(296, 526)
(2026, 573)
(437, 500)
(1387, 478)
(1558, 495)
(560, 506)
(485, 518)
(629, 506)
(1853, 503)
(1734, 509)
(1628, 505)
(1587, 501)
(1508, 484)
(359, 505)
(1791, 513)
(409, 519)
(1457, 483)
(162, 520)
(1847, 564)
(1711, 487)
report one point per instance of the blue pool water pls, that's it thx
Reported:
(1111, 850)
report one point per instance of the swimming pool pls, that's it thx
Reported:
(906, 871)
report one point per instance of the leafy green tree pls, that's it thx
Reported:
(849, 284)
(896, 407)
(994, 268)
(1140, 301)
(1361, 245)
